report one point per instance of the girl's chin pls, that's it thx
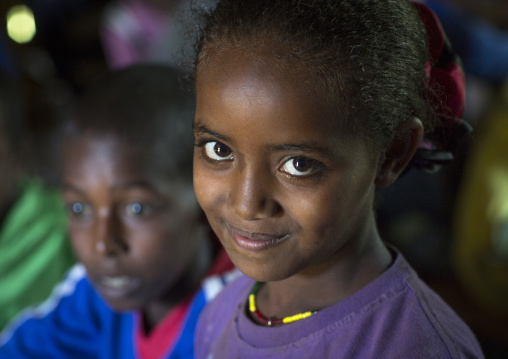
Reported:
(261, 271)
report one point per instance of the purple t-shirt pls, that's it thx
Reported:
(395, 316)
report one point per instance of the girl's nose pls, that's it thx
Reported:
(252, 194)
(109, 241)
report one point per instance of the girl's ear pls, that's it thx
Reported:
(400, 152)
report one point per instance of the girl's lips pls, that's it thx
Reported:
(255, 242)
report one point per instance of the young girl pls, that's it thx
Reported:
(135, 226)
(304, 108)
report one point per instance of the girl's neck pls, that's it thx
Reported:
(356, 264)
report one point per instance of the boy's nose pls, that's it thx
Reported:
(251, 194)
(109, 241)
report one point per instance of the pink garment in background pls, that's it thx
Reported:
(131, 31)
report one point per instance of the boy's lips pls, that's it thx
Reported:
(255, 242)
(117, 286)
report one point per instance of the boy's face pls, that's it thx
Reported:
(134, 232)
(283, 188)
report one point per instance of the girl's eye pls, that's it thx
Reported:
(218, 151)
(299, 166)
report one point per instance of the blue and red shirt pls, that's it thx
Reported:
(76, 323)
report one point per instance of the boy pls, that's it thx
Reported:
(135, 226)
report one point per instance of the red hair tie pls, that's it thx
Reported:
(446, 82)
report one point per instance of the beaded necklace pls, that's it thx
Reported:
(272, 321)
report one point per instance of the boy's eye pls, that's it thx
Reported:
(78, 209)
(299, 166)
(138, 209)
(218, 151)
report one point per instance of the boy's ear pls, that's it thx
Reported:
(400, 151)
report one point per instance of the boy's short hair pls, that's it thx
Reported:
(146, 106)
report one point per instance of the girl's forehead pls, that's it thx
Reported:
(258, 75)
(264, 72)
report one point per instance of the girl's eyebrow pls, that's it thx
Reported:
(310, 147)
(307, 147)
(203, 130)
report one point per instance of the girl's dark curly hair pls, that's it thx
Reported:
(364, 57)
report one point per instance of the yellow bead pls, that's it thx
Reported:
(252, 303)
(296, 317)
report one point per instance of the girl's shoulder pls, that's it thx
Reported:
(223, 285)
(220, 311)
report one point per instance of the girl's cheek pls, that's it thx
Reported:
(202, 188)
(210, 191)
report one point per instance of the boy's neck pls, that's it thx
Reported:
(356, 264)
(187, 284)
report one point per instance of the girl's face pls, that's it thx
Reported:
(133, 231)
(282, 187)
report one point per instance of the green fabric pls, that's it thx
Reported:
(34, 248)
